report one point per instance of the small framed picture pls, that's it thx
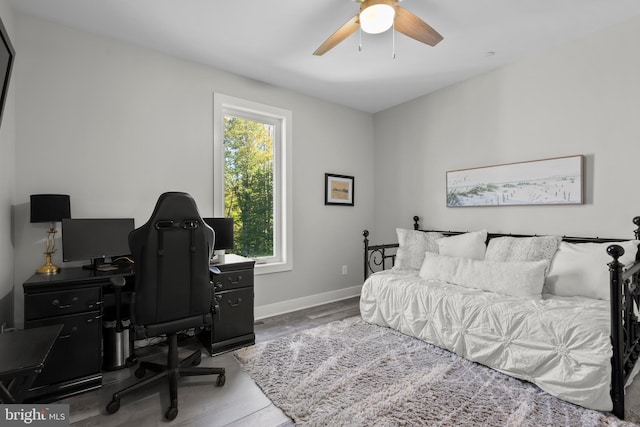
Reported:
(338, 189)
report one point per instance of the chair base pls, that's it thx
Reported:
(172, 370)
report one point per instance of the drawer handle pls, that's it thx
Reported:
(235, 282)
(57, 303)
(237, 303)
(73, 330)
(98, 317)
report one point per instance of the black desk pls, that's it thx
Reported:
(78, 299)
(22, 358)
(74, 298)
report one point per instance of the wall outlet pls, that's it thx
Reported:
(345, 270)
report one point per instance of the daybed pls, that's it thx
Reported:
(559, 312)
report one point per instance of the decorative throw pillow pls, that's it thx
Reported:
(516, 278)
(522, 248)
(468, 245)
(413, 245)
(580, 269)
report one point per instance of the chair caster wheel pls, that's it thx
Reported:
(113, 406)
(171, 413)
(221, 380)
(139, 373)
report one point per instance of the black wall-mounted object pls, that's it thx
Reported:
(7, 53)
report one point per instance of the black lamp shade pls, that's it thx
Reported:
(50, 207)
(223, 227)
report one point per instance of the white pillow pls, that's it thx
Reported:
(580, 269)
(522, 248)
(517, 278)
(413, 245)
(468, 245)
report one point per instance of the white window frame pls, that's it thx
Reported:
(224, 105)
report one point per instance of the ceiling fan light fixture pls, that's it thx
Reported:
(377, 18)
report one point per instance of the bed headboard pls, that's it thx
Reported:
(382, 257)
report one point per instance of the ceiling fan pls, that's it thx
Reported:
(377, 16)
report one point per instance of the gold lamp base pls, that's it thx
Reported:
(48, 268)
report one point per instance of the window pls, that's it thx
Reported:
(252, 163)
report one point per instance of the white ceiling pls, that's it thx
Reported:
(273, 40)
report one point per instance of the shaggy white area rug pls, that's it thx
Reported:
(351, 373)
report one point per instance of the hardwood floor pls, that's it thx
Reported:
(240, 403)
(200, 403)
(289, 323)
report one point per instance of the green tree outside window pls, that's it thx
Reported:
(249, 185)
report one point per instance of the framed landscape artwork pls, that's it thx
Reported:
(338, 189)
(557, 181)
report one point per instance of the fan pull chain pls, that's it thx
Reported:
(393, 35)
(360, 40)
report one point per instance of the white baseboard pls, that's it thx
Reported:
(282, 307)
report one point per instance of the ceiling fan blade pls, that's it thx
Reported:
(342, 33)
(410, 25)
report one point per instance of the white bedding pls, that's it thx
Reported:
(561, 344)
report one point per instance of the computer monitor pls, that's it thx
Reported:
(95, 239)
(223, 227)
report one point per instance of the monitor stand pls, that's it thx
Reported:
(99, 264)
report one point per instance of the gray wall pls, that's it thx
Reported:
(582, 98)
(7, 185)
(114, 126)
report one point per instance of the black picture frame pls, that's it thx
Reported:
(339, 189)
(7, 55)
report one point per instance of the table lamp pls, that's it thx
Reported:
(49, 208)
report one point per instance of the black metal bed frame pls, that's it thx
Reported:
(624, 285)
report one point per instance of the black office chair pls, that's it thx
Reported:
(173, 290)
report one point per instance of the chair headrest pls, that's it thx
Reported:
(176, 206)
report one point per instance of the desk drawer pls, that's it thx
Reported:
(233, 280)
(59, 303)
(78, 350)
(234, 315)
